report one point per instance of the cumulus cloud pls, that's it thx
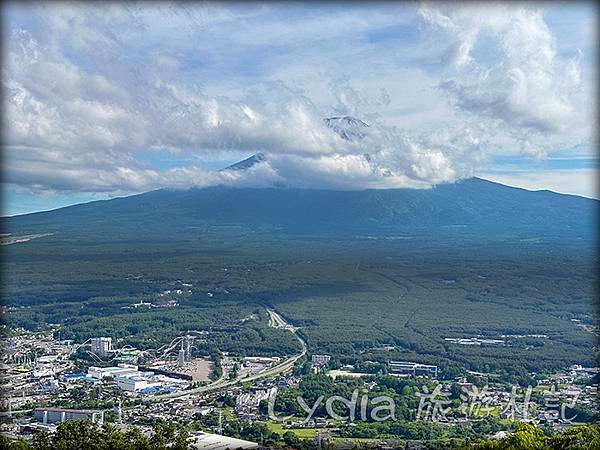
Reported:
(579, 181)
(52, 101)
(88, 90)
(529, 90)
(71, 129)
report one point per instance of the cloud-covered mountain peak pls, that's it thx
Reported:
(247, 163)
(347, 127)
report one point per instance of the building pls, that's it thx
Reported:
(201, 440)
(248, 402)
(102, 346)
(320, 360)
(181, 358)
(413, 368)
(383, 348)
(262, 359)
(49, 385)
(131, 384)
(138, 383)
(120, 370)
(57, 415)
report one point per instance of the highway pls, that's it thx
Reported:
(223, 382)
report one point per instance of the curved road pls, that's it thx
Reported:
(276, 321)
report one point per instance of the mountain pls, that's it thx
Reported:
(471, 207)
(347, 127)
(247, 163)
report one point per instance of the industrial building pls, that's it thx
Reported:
(136, 383)
(57, 415)
(132, 383)
(413, 368)
(129, 378)
(113, 372)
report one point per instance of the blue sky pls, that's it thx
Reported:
(104, 101)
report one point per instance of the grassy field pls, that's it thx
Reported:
(303, 433)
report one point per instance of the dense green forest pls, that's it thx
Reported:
(349, 294)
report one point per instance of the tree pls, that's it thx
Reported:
(530, 437)
(84, 435)
(291, 439)
(455, 391)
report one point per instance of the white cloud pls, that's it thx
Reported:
(574, 181)
(71, 129)
(531, 91)
(88, 90)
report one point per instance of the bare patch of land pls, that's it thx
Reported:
(8, 238)
(199, 368)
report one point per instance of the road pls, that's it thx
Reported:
(223, 382)
(276, 321)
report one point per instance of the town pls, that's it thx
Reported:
(46, 381)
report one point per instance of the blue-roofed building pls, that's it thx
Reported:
(72, 376)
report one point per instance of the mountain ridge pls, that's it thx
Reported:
(475, 204)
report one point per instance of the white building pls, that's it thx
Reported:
(201, 440)
(413, 368)
(132, 383)
(320, 360)
(113, 372)
(57, 415)
(249, 401)
(142, 380)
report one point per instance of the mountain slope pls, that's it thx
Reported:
(247, 163)
(347, 127)
(474, 205)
